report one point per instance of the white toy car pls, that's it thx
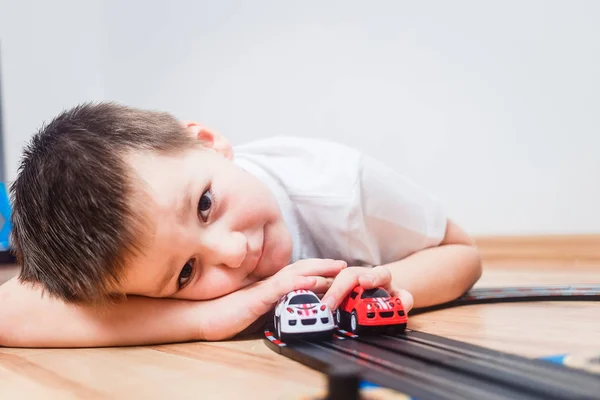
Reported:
(301, 314)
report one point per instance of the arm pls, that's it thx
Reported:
(427, 277)
(28, 319)
(405, 222)
(439, 274)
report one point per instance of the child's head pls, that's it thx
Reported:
(112, 200)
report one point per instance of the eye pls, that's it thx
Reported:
(205, 204)
(186, 274)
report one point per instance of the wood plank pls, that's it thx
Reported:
(543, 247)
(247, 369)
(535, 329)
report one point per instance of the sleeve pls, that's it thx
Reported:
(394, 216)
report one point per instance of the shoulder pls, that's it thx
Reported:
(297, 147)
(305, 165)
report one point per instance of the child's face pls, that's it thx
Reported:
(216, 228)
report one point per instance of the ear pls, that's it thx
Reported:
(210, 138)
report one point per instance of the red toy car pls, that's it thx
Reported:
(371, 308)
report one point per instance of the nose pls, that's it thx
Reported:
(224, 249)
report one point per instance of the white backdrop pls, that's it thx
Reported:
(494, 107)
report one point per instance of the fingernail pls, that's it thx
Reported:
(329, 302)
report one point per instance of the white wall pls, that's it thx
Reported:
(492, 106)
(52, 56)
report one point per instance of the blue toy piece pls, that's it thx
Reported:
(5, 222)
(5, 209)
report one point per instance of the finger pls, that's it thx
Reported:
(324, 267)
(393, 291)
(258, 299)
(323, 284)
(298, 278)
(341, 286)
(281, 286)
(407, 299)
(379, 276)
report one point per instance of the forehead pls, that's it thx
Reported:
(164, 176)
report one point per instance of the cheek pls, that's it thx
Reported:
(251, 203)
(215, 282)
(280, 246)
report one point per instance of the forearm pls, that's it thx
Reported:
(29, 320)
(439, 274)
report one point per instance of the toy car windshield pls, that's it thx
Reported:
(304, 299)
(374, 293)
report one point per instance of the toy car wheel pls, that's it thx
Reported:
(354, 326)
(338, 318)
(279, 334)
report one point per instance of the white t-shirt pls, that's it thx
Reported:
(339, 203)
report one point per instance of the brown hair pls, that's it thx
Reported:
(75, 219)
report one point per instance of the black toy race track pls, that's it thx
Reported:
(425, 366)
(584, 292)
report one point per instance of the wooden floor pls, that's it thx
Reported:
(247, 369)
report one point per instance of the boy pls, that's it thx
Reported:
(134, 228)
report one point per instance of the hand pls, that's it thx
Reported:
(229, 315)
(369, 278)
